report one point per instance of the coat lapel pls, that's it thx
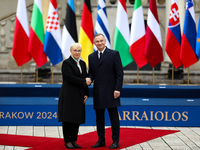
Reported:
(105, 54)
(74, 65)
(83, 69)
(95, 57)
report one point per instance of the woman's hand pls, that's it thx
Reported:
(88, 81)
(85, 99)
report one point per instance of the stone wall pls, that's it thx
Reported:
(7, 23)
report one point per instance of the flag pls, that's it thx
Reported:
(173, 41)
(101, 25)
(198, 40)
(153, 40)
(21, 35)
(52, 42)
(121, 35)
(188, 43)
(137, 39)
(69, 35)
(86, 31)
(36, 41)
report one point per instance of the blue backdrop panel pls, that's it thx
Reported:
(52, 90)
(39, 115)
(24, 104)
(36, 115)
(16, 115)
(159, 116)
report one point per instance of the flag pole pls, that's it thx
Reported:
(137, 74)
(21, 74)
(188, 82)
(52, 74)
(172, 74)
(36, 73)
(153, 75)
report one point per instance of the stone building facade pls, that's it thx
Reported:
(7, 25)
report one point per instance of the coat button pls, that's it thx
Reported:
(99, 83)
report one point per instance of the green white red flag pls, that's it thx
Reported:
(137, 39)
(122, 34)
(36, 41)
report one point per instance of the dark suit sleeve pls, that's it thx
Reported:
(90, 72)
(86, 90)
(86, 87)
(68, 74)
(118, 72)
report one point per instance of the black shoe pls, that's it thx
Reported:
(69, 145)
(99, 144)
(75, 145)
(114, 145)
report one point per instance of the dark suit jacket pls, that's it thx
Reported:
(107, 74)
(70, 106)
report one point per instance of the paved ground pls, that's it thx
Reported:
(187, 139)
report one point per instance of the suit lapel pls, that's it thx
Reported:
(95, 57)
(105, 54)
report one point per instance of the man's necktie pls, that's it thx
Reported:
(100, 55)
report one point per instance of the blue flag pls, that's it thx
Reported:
(188, 42)
(102, 22)
(198, 40)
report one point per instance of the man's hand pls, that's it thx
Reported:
(88, 81)
(116, 94)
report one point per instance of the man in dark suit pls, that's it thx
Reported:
(105, 70)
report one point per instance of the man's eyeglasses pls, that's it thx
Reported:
(76, 51)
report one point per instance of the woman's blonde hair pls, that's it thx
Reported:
(75, 46)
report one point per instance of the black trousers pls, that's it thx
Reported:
(115, 125)
(70, 131)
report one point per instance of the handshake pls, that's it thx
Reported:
(88, 81)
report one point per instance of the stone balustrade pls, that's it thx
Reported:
(2, 35)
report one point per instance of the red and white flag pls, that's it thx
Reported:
(153, 41)
(21, 35)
